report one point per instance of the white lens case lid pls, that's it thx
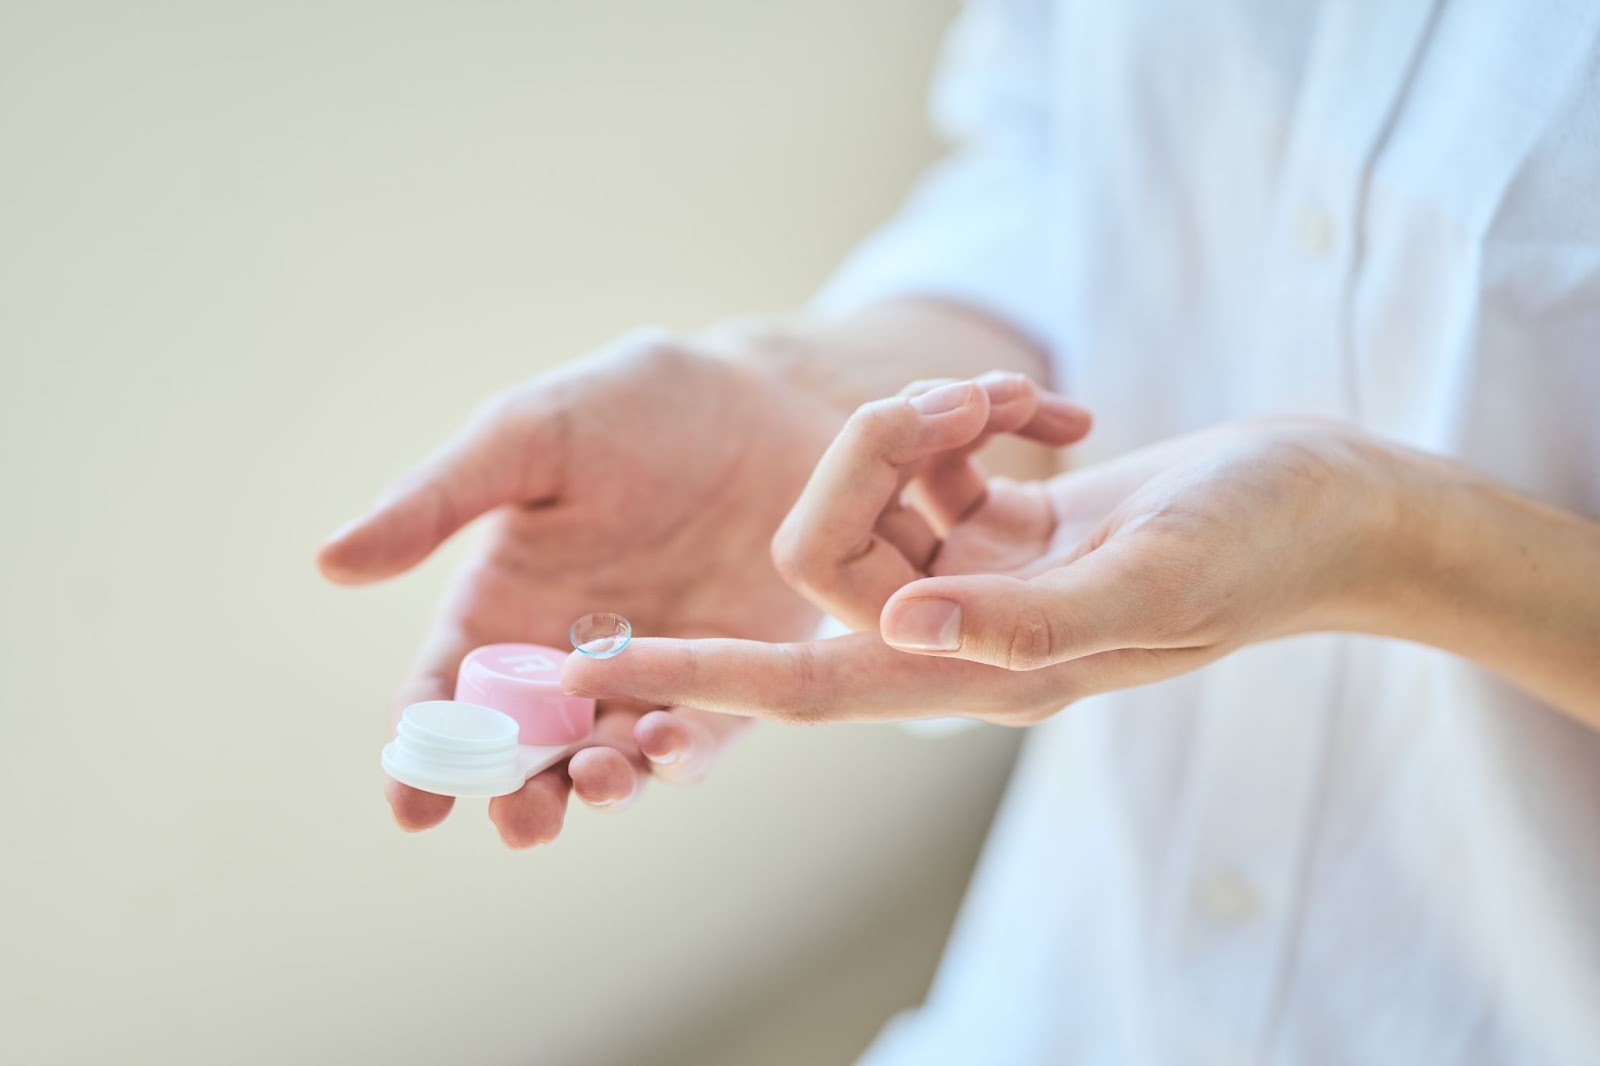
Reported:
(453, 748)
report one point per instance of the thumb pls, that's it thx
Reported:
(1018, 624)
(506, 452)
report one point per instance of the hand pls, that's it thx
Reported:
(1007, 601)
(646, 480)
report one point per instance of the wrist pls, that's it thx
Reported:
(1383, 540)
(1365, 532)
(1502, 579)
(791, 354)
(1422, 517)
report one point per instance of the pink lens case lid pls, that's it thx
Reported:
(524, 681)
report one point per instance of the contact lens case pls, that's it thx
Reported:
(509, 719)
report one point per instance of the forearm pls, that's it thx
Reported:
(1496, 577)
(878, 351)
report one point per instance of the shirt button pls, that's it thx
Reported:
(1228, 899)
(1314, 229)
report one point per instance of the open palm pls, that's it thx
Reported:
(646, 480)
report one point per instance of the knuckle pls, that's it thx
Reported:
(785, 551)
(796, 558)
(877, 425)
(1033, 641)
(1005, 386)
(690, 669)
(499, 407)
(800, 699)
(922, 385)
(657, 351)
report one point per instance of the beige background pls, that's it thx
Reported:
(254, 260)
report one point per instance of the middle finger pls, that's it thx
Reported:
(828, 545)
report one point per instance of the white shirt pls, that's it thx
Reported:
(1328, 849)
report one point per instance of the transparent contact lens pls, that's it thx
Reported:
(601, 635)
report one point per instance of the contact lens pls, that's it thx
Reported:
(601, 635)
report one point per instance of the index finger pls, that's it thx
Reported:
(854, 678)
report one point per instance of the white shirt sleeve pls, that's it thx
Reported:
(973, 229)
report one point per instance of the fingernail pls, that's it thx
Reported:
(662, 760)
(925, 625)
(944, 398)
(600, 803)
(1008, 383)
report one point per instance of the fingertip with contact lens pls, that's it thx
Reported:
(600, 635)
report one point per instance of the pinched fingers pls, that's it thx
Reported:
(950, 485)
(849, 542)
